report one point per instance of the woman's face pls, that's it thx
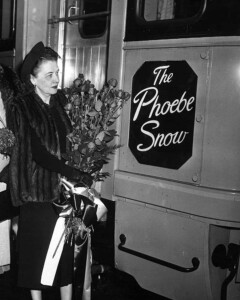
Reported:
(46, 79)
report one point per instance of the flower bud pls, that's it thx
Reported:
(68, 107)
(126, 96)
(91, 89)
(112, 83)
(120, 93)
(105, 89)
(77, 82)
(91, 145)
(77, 101)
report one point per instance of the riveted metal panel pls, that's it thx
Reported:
(198, 60)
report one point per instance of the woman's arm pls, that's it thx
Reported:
(50, 162)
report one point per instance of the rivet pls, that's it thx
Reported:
(195, 178)
(204, 55)
(199, 118)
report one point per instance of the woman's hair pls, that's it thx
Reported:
(48, 55)
(10, 84)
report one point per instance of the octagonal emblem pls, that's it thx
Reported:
(162, 113)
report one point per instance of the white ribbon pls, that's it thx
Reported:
(54, 253)
(88, 276)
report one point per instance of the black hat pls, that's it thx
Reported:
(31, 59)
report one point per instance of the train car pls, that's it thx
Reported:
(175, 181)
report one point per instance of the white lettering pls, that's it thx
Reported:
(142, 102)
(159, 139)
(177, 106)
(165, 77)
(139, 147)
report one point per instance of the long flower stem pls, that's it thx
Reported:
(110, 116)
(1, 120)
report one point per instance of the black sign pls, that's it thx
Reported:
(163, 113)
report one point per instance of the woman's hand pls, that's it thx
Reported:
(79, 177)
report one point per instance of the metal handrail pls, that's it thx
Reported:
(55, 20)
(195, 260)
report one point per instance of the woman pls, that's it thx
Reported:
(40, 125)
(10, 87)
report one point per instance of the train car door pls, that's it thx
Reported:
(80, 33)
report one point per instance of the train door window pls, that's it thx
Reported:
(163, 19)
(88, 28)
(7, 24)
(82, 40)
(154, 10)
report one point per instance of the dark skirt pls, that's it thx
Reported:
(7, 210)
(36, 225)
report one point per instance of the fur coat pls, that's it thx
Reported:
(27, 180)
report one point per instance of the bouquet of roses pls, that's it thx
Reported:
(92, 113)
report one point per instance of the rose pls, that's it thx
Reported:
(112, 83)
